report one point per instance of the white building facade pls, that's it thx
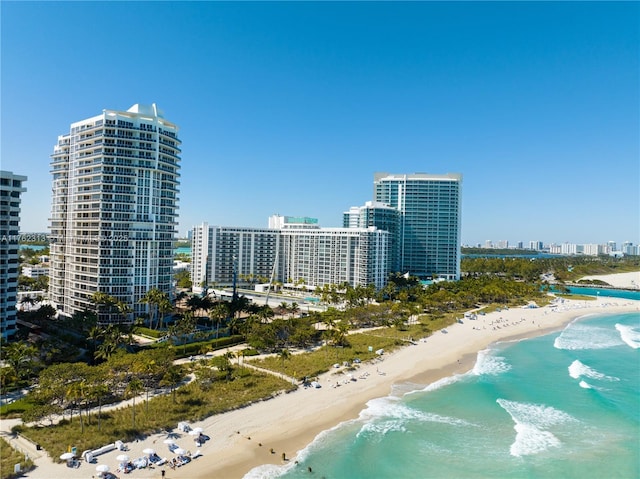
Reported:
(35, 271)
(10, 190)
(220, 252)
(357, 256)
(114, 209)
(293, 249)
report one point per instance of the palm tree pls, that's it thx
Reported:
(98, 391)
(218, 313)
(94, 334)
(164, 307)
(172, 377)
(265, 313)
(123, 309)
(284, 355)
(194, 303)
(134, 388)
(27, 300)
(283, 308)
(153, 298)
(20, 356)
(104, 302)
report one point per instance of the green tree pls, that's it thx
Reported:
(172, 378)
(284, 355)
(183, 279)
(21, 356)
(217, 314)
(153, 298)
(134, 388)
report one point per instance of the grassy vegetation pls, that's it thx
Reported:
(602, 266)
(190, 349)
(9, 457)
(151, 333)
(16, 408)
(321, 360)
(577, 297)
(192, 403)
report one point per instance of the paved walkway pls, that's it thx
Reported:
(41, 457)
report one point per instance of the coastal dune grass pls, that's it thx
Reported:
(362, 345)
(9, 457)
(192, 403)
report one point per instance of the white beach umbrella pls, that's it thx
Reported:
(67, 455)
(197, 430)
(179, 451)
(169, 441)
(102, 468)
(122, 458)
(148, 451)
(193, 432)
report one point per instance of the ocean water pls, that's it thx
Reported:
(565, 405)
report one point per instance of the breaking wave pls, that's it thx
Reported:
(532, 422)
(580, 336)
(487, 364)
(629, 335)
(579, 370)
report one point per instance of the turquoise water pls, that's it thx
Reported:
(614, 293)
(563, 405)
(183, 250)
(34, 247)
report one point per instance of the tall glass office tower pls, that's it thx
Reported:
(114, 210)
(430, 221)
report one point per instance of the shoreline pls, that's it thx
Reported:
(242, 440)
(431, 364)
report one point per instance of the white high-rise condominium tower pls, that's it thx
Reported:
(114, 210)
(430, 225)
(10, 190)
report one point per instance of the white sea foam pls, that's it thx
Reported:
(531, 424)
(585, 385)
(378, 429)
(581, 336)
(267, 471)
(389, 409)
(440, 383)
(531, 440)
(578, 370)
(629, 335)
(488, 364)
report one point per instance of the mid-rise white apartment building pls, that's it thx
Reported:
(592, 249)
(536, 245)
(35, 271)
(293, 249)
(114, 209)
(10, 190)
(383, 217)
(357, 256)
(219, 252)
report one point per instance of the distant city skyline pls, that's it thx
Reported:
(290, 108)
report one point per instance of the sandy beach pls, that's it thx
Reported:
(245, 438)
(619, 280)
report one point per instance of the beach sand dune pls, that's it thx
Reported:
(619, 280)
(260, 434)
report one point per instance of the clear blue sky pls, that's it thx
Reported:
(291, 107)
